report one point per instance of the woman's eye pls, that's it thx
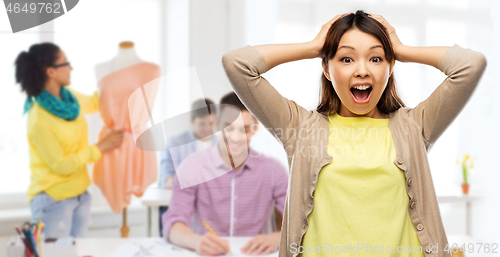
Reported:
(345, 58)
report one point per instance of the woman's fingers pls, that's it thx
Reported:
(319, 40)
(116, 137)
(382, 21)
(117, 134)
(390, 30)
(338, 16)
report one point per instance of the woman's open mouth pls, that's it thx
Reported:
(361, 94)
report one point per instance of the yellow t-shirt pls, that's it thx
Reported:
(59, 150)
(360, 201)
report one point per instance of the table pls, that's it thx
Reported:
(101, 247)
(153, 198)
(467, 199)
(104, 247)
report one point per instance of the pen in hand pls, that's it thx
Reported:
(211, 231)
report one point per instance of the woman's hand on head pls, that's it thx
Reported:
(319, 40)
(396, 43)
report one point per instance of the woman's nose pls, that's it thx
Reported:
(362, 70)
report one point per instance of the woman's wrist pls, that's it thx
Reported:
(313, 49)
(398, 52)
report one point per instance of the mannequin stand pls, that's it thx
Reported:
(124, 229)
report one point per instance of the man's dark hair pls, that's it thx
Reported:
(200, 106)
(232, 99)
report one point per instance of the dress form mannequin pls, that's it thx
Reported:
(126, 57)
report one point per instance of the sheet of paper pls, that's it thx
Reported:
(151, 248)
(160, 248)
(237, 243)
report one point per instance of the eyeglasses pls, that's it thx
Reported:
(61, 65)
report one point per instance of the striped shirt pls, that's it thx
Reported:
(234, 204)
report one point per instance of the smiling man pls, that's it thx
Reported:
(237, 201)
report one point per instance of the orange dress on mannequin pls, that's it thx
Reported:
(126, 169)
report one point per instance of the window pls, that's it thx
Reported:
(14, 166)
(86, 43)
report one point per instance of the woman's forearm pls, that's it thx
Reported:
(429, 55)
(276, 54)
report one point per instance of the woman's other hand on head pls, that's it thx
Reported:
(319, 40)
(396, 43)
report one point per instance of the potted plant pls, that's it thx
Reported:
(467, 164)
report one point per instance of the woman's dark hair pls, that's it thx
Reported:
(329, 100)
(31, 67)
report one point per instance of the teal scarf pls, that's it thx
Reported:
(67, 108)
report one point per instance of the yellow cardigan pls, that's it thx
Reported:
(59, 150)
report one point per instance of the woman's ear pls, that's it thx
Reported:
(49, 72)
(391, 68)
(325, 71)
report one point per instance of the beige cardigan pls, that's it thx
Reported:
(304, 135)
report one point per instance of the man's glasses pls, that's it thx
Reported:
(61, 65)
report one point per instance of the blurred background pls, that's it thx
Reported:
(182, 34)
